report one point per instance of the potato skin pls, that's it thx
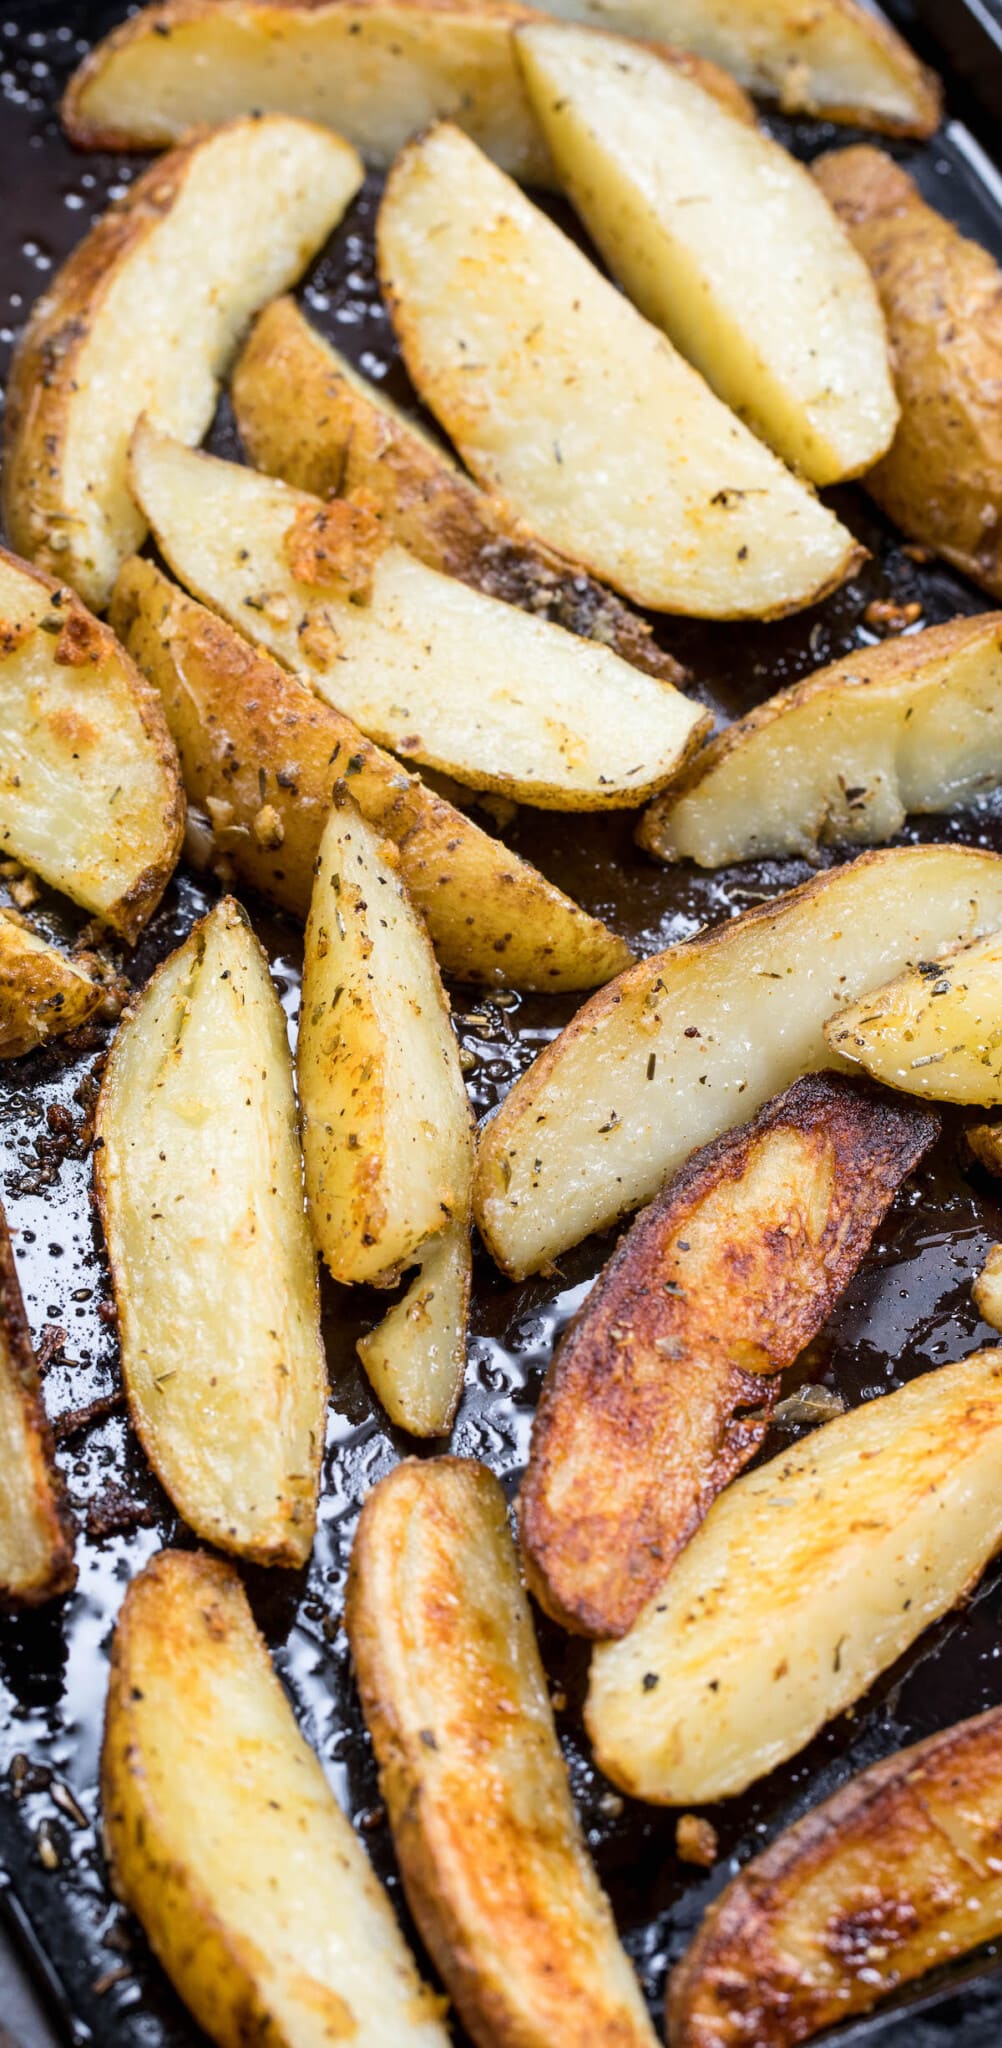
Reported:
(897, 1872)
(711, 1294)
(36, 1561)
(941, 481)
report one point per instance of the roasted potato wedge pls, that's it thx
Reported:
(36, 1529)
(941, 294)
(987, 1289)
(663, 1387)
(90, 790)
(694, 1040)
(416, 1357)
(237, 717)
(934, 1031)
(985, 1141)
(307, 416)
(557, 393)
(913, 724)
(226, 1841)
(894, 1875)
(495, 1869)
(144, 317)
(200, 1186)
(808, 1578)
(723, 240)
(42, 992)
(447, 677)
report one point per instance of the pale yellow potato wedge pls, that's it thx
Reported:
(987, 1289)
(449, 678)
(90, 790)
(723, 240)
(386, 1124)
(226, 1841)
(236, 717)
(144, 317)
(36, 1529)
(559, 394)
(494, 1865)
(830, 57)
(808, 1578)
(934, 1031)
(42, 993)
(415, 1359)
(913, 724)
(694, 1040)
(200, 1185)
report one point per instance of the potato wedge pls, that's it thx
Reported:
(306, 415)
(663, 1387)
(987, 1289)
(145, 316)
(495, 1869)
(558, 394)
(200, 1186)
(913, 724)
(723, 240)
(90, 791)
(226, 1841)
(985, 1141)
(236, 716)
(387, 1135)
(423, 664)
(808, 1578)
(694, 1040)
(941, 295)
(415, 1358)
(894, 1875)
(36, 1529)
(42, 993)
(935, 1030)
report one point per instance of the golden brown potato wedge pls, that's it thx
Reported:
(694, 1040)
(934, 1031)
(236, 717)
(723, 240)
(987, 1289)
(36, 1529)
(42, 992)
(145, 316)
(809, 1576)
(495, 1869)
(665, 1383)
(561, 396)
(942, 299)
(985, 1141)
(226, 1841)
(913, 724)
(307, 416)
(484, 692)
(90, 792)
(200, 1185)
(894, 1875)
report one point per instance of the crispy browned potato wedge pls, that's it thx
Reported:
(664, 1385)
(894, 1875)
(237, 717)
(307, 416)
(942, 298)
(200, 1185)
(145, 316)
(90, 791)
(42, 993)
(936, 1030)
(36, 1528)
(495, 1869)
(226, 1841)
(985, 1141)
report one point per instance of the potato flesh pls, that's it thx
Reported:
(935, 1031)
(987, 1289)
(723, 240)
(201, 1190)
(910, 725)
(808, 1578)
(496, 1871)
(211, 235)
(415, 1359)
(386, 1124)
(226, 1840)
(625, 1093)
(36, 1534)
(42, 993)
(425, 665)
(558, 393)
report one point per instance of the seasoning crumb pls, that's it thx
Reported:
(884, 616)
(695, 1840)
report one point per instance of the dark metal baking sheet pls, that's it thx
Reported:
(908, 1310)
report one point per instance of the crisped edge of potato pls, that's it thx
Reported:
(43, 993)
(421, 1343)
(53, 1519)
